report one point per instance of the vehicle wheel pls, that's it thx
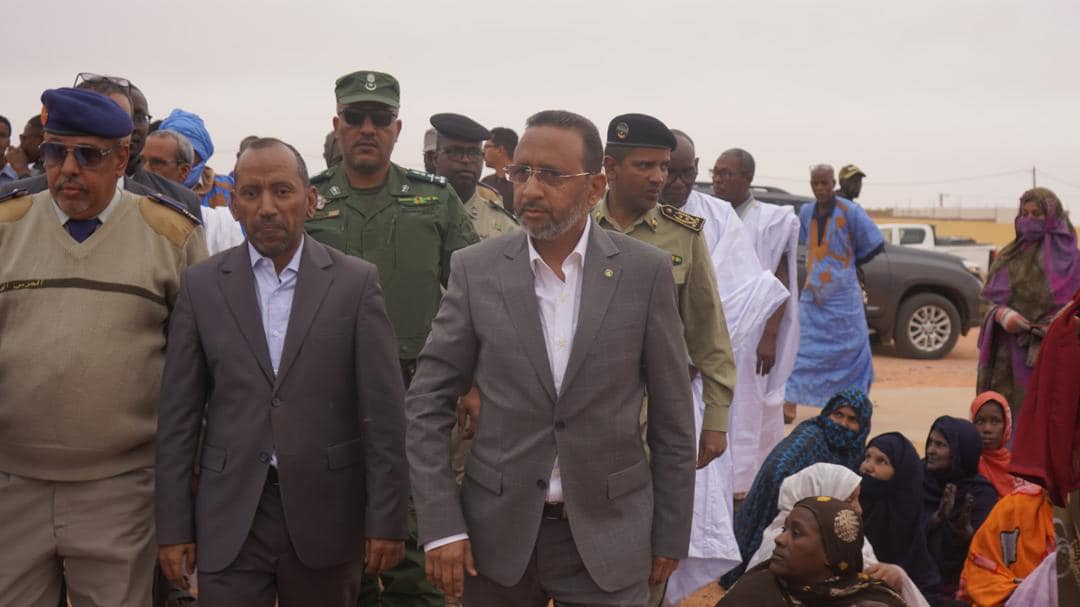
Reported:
(927, 326)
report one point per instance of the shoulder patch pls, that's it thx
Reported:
(14, 204)
(682, 218)
(425, 177)
(175, 224)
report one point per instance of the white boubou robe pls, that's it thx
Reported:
(749, 295)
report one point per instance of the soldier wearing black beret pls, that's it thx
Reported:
(636, 162)
(459, 157)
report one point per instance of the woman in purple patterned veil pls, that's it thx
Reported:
(1032, 278)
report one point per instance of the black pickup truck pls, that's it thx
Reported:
(921, 300)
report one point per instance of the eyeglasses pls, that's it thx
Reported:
(519, 174)
(379, 118)
(723, 174)
(88, 156)
(141, 118)
(687, 175)
(463, 153)
(160, 163)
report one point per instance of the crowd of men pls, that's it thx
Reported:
(393, 386)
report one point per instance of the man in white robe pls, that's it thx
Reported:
(749, 294)
(774, 232)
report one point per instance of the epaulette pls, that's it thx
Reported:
(682, 218)
(162, 199)
(425, 177)
(324, 176)
(12, 194)
(14, 211)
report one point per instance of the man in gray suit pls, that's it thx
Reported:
(283, 344)
(562, 328)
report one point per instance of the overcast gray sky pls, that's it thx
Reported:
(927, 97)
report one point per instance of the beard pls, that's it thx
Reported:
(558, 225)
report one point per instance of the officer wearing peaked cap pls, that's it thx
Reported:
(407, 223)
(90, 276)
(459, 157)
(635, 160)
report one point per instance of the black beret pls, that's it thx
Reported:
(68, 111)
(639, 131)
(460, 127)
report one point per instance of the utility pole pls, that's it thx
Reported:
(941, 199)
(1033, 184)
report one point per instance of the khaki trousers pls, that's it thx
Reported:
(98, 535)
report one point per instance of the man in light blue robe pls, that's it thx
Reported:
(834, 347)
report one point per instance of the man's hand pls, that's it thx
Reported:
(446, 567)
(892, 575)
(662, 568)
(713, 445)
(16, 157)
(382, 555)
(766, 353)
(468, 413)
(177, 563)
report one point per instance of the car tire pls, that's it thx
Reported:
(927, 326)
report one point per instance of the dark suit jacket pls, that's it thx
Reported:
(623, 507)
(141, 182)
(333, 413)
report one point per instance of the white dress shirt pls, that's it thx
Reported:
(275, 295)
(559, 302)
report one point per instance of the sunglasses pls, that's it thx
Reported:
(356, 117)
(87, 156)
(519, 174)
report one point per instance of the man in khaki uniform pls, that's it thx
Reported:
(635, 160)
(89, 277)
(459, 157)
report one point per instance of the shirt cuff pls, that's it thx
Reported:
(715, 418)
(444, 541)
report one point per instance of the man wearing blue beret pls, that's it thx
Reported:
(90, 273)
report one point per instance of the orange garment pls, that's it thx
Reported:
(1015, 538)
(994, 465)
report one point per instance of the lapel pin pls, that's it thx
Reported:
(608, 273)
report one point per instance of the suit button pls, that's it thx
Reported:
(559, 425)
(541, 483)
(276, 402)
(264, 457)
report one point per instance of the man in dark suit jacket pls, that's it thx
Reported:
(284, 345)
(560, 500)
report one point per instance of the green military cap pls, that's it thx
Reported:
(375, 87)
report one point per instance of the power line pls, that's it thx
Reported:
(912, 183)
(1061, 181)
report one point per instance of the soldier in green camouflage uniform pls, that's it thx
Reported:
(405, 222)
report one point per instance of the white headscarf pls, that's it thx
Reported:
(831, 480)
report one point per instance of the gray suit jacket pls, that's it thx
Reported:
(333, 413)
(623, 507)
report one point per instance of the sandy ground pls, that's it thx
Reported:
(908, 396)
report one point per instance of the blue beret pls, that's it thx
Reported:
(68, 111)
(639, 131)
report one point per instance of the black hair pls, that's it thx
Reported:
(260, 143)
(505, 138)
(8, 123)
(590, 136)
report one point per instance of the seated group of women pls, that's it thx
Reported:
(832, 520)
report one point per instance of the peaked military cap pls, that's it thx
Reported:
(459, 127)
(68, 111)
(639, 131)
(375, 87)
